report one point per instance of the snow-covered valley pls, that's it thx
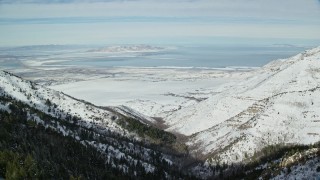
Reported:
(227, 115)
(153, 92)
(224, 116)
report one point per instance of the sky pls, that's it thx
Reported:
(38, 22)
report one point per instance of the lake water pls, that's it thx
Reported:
(181, 56)
(214, 57)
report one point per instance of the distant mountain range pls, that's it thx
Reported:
(129, 49)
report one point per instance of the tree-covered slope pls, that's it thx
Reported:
(68, 137)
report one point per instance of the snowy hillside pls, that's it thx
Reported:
(278, 103)
(122, 137)
(221, 123)
(43, 98)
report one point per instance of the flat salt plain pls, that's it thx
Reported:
(156, 92)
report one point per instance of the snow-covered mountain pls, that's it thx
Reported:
(277, 104)
(123, 138)
(42, 98)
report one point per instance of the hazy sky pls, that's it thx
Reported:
(27, 22)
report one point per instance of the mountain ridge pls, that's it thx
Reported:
(242, 117)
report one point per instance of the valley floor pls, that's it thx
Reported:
(156, 92)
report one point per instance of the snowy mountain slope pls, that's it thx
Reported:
(129, 112)
(120, 147)
(42, 98)
(303, 164)
(276, 104)
(272, 162)
(308, 170)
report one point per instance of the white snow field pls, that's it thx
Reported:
(227, 115)
(156, 92)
